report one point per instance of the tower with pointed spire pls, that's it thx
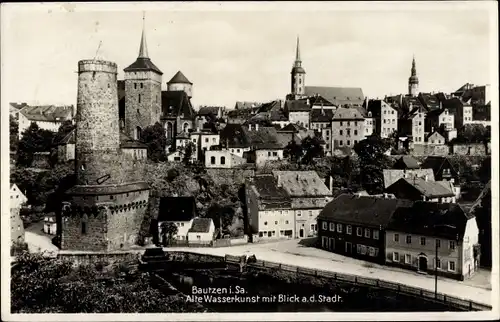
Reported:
(298, 86)
(142, 91)
(413, 80)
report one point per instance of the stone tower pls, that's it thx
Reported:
(105, 208)
(180, 83)
(298, 76)
(142, 92)
(413, 80)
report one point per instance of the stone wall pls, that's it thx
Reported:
(230, 176)
(429, 149)
(92, 258)
(146, 112)
(470, 149)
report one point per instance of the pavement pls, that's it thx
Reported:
(39, 243)
(290, 252)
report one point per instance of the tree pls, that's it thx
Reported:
(187, 152)
(155, 137)
(312, 149)
(33, 140)
(373, 160)
(168, 231)
(14, 137)
(293, 151)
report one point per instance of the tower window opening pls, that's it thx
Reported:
(142, 85)
(135, 85)
(84, 228)
(139, 98)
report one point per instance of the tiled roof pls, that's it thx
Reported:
(436, 163)
(319, 100)
(321, 115)
(429, 189)
(142, 64)
(247, 105)
(285, 138)
(267, 188)
(179, 78)
(17, 106)
(406, 162)
(201, 225)
(277, 116)
(207, 110)
(292, 127)
(431, 219)
(48, 113)
(235, 136)
(429, 101)
(393, 175)
(176, 103)
(127, 142)
(297, 106)
(338, 96)
(270, 106)
(302, 183)
(362, 210)
(343, 113)
(176, 209)
(264, 138)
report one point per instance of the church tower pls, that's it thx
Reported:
(142, 92)
(298, 86)
(413, 80)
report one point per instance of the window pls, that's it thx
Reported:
(275, 154)
(355, 142)
(265, 223)
(341, 123)
(340, 132)
(349, 230)
(355, 132)
(339, 228)
(84, 227)
(367, 233)
(332, 226)
(275, 222)
(451, 266)
(375, 234)
(348, 123)
(359, 231)
(355, 123)
(422, 241)
(395, 257)
(310, 213)
(237, 150)
(408, 239)
(206, 140)
(286, 222)
(371, 251)
(299, 214)
(142, 85)
(139, 98)
(348, 142)
(135, 85)
(222, 160)
(407, 259)
(341, 142)
(438, 263)
(452, 244)
(212, 160)
(182, 224)
(269, 153)
(198, 237)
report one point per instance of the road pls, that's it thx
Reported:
(309, 257)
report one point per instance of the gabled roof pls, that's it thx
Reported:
(406, 162)
(429, 101)
(266, 187)
(432, 219)
(318, 100)
(270, 106)
(435, 134)
(343, 113)
(48, 113)
(277, 116)
(362, 210)
(338, 96)
(264, 138)
(375, 107)
(429, 189)
(235, 136)
(321, 115)
(175, 104)
(209, 110)
(393, 175)
(436, 163)
(179, 78)
(143, 64)
(297, 106)
(201, 225)
(17, 106)
(302, 183)
(177, 209)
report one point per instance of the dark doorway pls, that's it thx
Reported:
(422, 263)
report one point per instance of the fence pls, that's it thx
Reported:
(365, 281)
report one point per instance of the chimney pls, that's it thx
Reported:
(307, 101)
(256, 126)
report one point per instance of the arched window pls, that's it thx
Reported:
(222, 160)
(85, 219)
(185, 127)
(138, 133)
(212, 160)
(170, 130)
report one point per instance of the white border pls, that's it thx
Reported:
(491, 6)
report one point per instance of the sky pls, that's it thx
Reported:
(244, 52)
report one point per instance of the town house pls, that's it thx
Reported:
(179, 211)
(309, 194)
(433, 238)
(422, 189)
(393, 175)
(269, 207)
(347, 128)
(48, 117)
(321, 123)
(298, 112)
(234, 138)
(355, 226)
(266, 146)
(17, 197)
(443, 171)
(202, 232)
(385, 117)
